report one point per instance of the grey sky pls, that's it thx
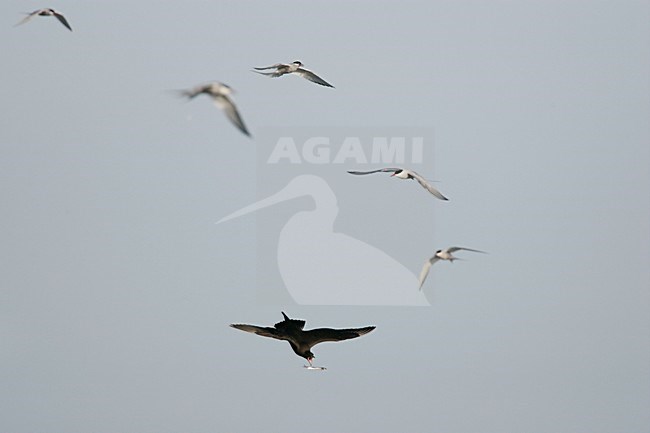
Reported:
(116, 286)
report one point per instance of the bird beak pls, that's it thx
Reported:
(290, 191)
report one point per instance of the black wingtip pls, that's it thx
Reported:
(366, 330)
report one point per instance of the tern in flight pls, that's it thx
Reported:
(442, 255)
(46, 13)
(403, 173)
(220, 94)
(292, 68)
(302, 341)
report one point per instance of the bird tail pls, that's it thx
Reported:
(24, 20)
(285, 316)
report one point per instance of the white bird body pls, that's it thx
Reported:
(289, 68)
(404, 174)
(445, 254)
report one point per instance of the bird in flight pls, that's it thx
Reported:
(302, 341)
(220, 94)
(403, 173)
(46, 13)
(442, 255)
(292, 68)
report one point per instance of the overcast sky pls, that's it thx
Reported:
(117, 287)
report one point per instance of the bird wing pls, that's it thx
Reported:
(306, 73)
(269, 74)
(453, 249)
(425, 269)
(263, 331)
(426, 185)
(390, 170)
(194, 91)
(277, 65)
(320, 335)
(62, 19)
(29, 16)
(230, 109)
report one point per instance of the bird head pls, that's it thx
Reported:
(309, 356)
(224, 88)
(397, 172)
(297, 63)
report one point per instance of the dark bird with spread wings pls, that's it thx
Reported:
(292, 68)
(302, 341)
